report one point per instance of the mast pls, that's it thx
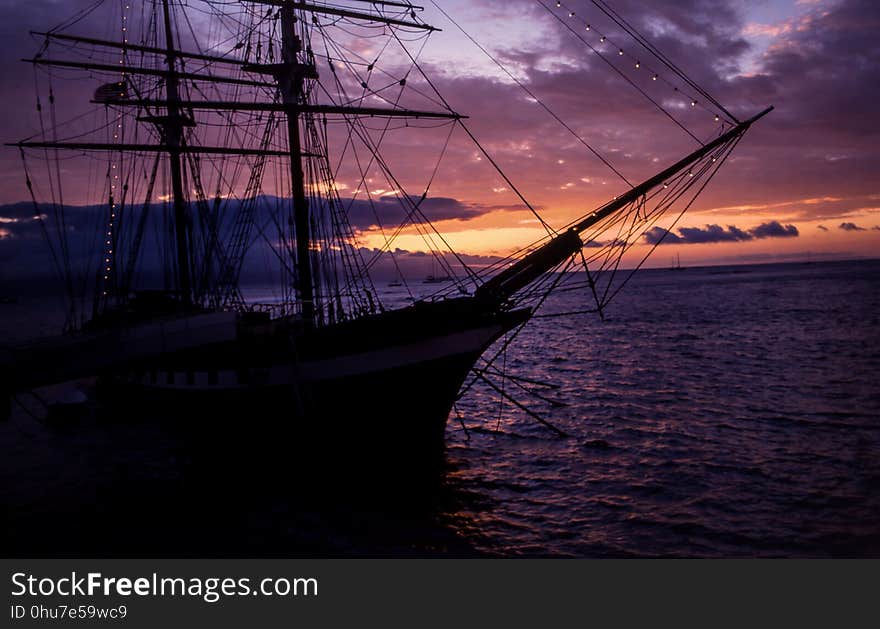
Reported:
(173, 131)
(291, 75)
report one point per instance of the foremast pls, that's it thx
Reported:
(291, 76)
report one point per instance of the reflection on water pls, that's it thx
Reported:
(716, 412)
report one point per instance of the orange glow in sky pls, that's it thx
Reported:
(810, 168)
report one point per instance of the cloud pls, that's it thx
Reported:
(876, 228)
(420, 261)
(767, 30)
(23, 251)
(822, 227)
(391, 211)
(774, 229)
(660, 236)
(712, 233)
(850, 227)
(717, 233)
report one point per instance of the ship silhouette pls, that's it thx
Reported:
(197, 135)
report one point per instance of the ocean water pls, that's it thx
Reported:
(723, 411)
(716, 412)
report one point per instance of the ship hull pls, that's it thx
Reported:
(385, 404)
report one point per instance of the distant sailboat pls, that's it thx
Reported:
(434, 278)
(437, 279)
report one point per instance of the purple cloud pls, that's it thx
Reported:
(774, 229)
(850, 227)
(717, 233)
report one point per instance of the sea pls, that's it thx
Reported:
(727, 411)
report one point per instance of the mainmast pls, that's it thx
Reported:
(291, 77)
(172, 124)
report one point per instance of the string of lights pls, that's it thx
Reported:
(633, 62)
(114, 170)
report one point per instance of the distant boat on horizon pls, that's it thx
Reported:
(437, 279)
(397, 281)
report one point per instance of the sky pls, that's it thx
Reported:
(803, 183)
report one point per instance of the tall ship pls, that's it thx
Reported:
(221, 130)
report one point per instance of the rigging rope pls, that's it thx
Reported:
(618, 71)
(659, 55)
(528, 91)
(480, 146)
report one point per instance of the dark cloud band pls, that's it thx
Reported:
(717, 233)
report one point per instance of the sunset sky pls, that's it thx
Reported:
(803, 183)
